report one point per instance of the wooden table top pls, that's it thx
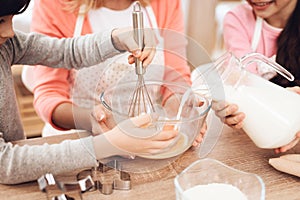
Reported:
(233, 149)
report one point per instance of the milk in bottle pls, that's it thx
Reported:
(272, 117)
(272, 112)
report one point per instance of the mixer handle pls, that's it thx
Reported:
(138, 25)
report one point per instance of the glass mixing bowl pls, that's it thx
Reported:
(189, 121)
(209, 175)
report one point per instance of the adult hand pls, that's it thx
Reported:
(229, 114)
(123, 40)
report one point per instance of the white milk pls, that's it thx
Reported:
(184, 98)
(214, 191)
(272, 117)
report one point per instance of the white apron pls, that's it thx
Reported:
(263, 70)
(88, 83)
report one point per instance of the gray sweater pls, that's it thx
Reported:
(25, 163)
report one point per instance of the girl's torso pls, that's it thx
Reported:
(88, 83)
(242, 19)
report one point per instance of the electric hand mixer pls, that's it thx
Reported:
(140, 101)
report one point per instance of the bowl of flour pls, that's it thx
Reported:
(208, 179)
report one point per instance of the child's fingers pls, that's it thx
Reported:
(141, 120)
(165, 135)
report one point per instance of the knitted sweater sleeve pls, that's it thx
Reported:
(67, 53)
(26, 163)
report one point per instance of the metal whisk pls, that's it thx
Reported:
(140, 101)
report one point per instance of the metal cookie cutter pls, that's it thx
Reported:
(64, 190)
(108, 177)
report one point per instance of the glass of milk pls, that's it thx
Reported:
(207, 179)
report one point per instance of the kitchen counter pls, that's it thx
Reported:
(233, 148)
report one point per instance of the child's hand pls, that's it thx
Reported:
(289, 145)
(172, 104)
(101, 120)
(294, 89)
(200, 136)
(228, 114)
(135, 136)
(123, 40)
(297, 137)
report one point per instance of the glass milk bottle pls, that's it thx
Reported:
(272, 112)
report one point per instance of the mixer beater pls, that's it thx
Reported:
(141, 101)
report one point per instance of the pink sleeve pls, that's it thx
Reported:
(238, 29)
(51, 86)
(51, 89)
(169, 17)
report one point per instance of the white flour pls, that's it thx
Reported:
(214, 191)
